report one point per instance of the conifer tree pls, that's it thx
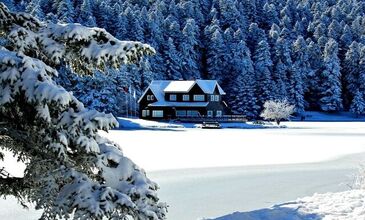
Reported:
(330, 88)
(70, 168)
(262, 66)
(189, 50)
(173, 61)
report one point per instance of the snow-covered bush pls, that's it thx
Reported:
(277, 110)
(70, 169)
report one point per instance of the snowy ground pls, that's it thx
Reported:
(227, 170)
(180, 148)
(349, 205)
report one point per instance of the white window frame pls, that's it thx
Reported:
(219, 113)
(150, 97)
(186, 98)
(157, 113)
(199, 98)
(212, 98)
(216, 98)
(210, 113)
(145, 113)
(173, 97)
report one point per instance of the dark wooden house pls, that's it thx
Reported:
(165, 99)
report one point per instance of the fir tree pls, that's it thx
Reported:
(243, 93)
(70, 169)
(331, 79)
(173, 61)
(358, 104)
(262, 66)
(189, 50)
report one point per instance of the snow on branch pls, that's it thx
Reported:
(277, 110)
(70, 169)
(83, 49)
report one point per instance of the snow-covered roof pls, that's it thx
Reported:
(178, 104)
(208, 86)
(159, 87)
(179, 86)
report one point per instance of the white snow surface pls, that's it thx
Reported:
(179, 147)
(180, 86)
(348, 205)
(163, 147)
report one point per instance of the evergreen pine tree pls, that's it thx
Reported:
(189, 50)
(64, 10)
(86, 16)
(242, 98)
(330, 88)
(262, 66)
(358, 104)
(173, 61)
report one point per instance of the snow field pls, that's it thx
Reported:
(180, 148)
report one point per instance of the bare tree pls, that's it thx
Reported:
(277, 110)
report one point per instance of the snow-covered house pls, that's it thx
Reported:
(166, 99)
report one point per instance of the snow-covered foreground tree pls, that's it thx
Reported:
(70, 170)
(277, 110)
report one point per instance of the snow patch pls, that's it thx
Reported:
(329, 206)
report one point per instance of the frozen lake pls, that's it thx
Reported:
(213, 192)
(210, 173)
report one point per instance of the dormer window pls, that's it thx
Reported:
(172, 97)
(199, 98)
(214, 98)
(150, 97)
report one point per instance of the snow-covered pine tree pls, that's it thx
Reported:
(330, 88)
(70, 169)
(283, 67)
(351, 69)
(215, 56)
(64, 10)
(189, 50)
(358, 104)
(300, 73)
(242, 98)
(86, 16)
(262, 66)
(173, 61)
(34, 8)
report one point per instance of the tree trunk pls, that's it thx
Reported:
(277, 121)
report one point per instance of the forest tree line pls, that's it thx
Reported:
(310, 52)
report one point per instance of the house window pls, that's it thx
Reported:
(219, 113)
(216, 97)
(145, 113)
(192, 113)
(210, 113)
(150, 97)
(157, 113)
(186, 98)
(180, 113)
(199, 98)
(212, 98)
(172, 97)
